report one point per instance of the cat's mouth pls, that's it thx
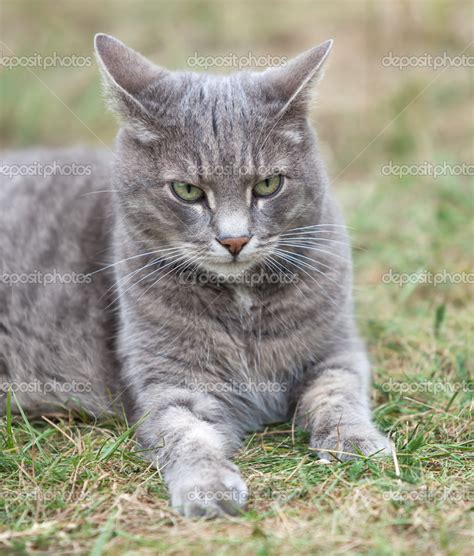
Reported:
(231, 264)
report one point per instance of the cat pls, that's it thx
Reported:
(198, 279)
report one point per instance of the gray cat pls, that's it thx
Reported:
(200, 278)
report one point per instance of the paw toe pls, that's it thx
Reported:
(345, 446)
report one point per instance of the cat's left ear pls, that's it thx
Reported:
(294, 82)
(126, 74)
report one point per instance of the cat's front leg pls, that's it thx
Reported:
(335, 408)
(190, 437)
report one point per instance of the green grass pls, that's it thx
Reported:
(71, 486)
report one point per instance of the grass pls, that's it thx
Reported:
(72, 486)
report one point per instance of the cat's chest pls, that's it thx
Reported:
(244, 301)
(263, 373)
(248, 319)
(263, 366)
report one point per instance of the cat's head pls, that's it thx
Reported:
(216, 167)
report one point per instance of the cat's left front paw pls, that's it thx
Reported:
(345, 442)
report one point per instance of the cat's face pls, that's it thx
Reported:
(216, 168)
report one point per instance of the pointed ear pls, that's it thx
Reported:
(125, 75)
(294, 82)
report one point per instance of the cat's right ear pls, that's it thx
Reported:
(125, 74)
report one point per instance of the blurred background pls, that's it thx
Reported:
(397, 97)
(359, 97)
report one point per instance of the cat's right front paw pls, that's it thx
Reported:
(211, 491)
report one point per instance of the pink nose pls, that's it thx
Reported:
(234, 244)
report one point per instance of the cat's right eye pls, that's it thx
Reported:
(187, 192)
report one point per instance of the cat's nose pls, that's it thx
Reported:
(234, 244)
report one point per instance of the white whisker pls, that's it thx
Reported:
(102, 191)
(315, 226)
(299, 256)
(121, 281)
(175, 258)
(299, 267)
(311, 233)
(314, 236)
(130, 258)
(290, 244)
(276, 264)
(180, 265)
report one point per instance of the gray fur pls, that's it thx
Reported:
(199, 362)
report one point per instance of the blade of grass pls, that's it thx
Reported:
(9, 432)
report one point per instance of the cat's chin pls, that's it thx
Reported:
(229, 270)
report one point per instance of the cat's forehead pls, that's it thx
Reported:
(217, 123)
(224, 101)
(210, 122)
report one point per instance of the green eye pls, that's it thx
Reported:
(187, 192)
(268, 187)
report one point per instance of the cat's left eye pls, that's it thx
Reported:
(268, 187)
(187, 192)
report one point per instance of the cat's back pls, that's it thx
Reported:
(49, 179)
(51, 197)
(56, 222)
